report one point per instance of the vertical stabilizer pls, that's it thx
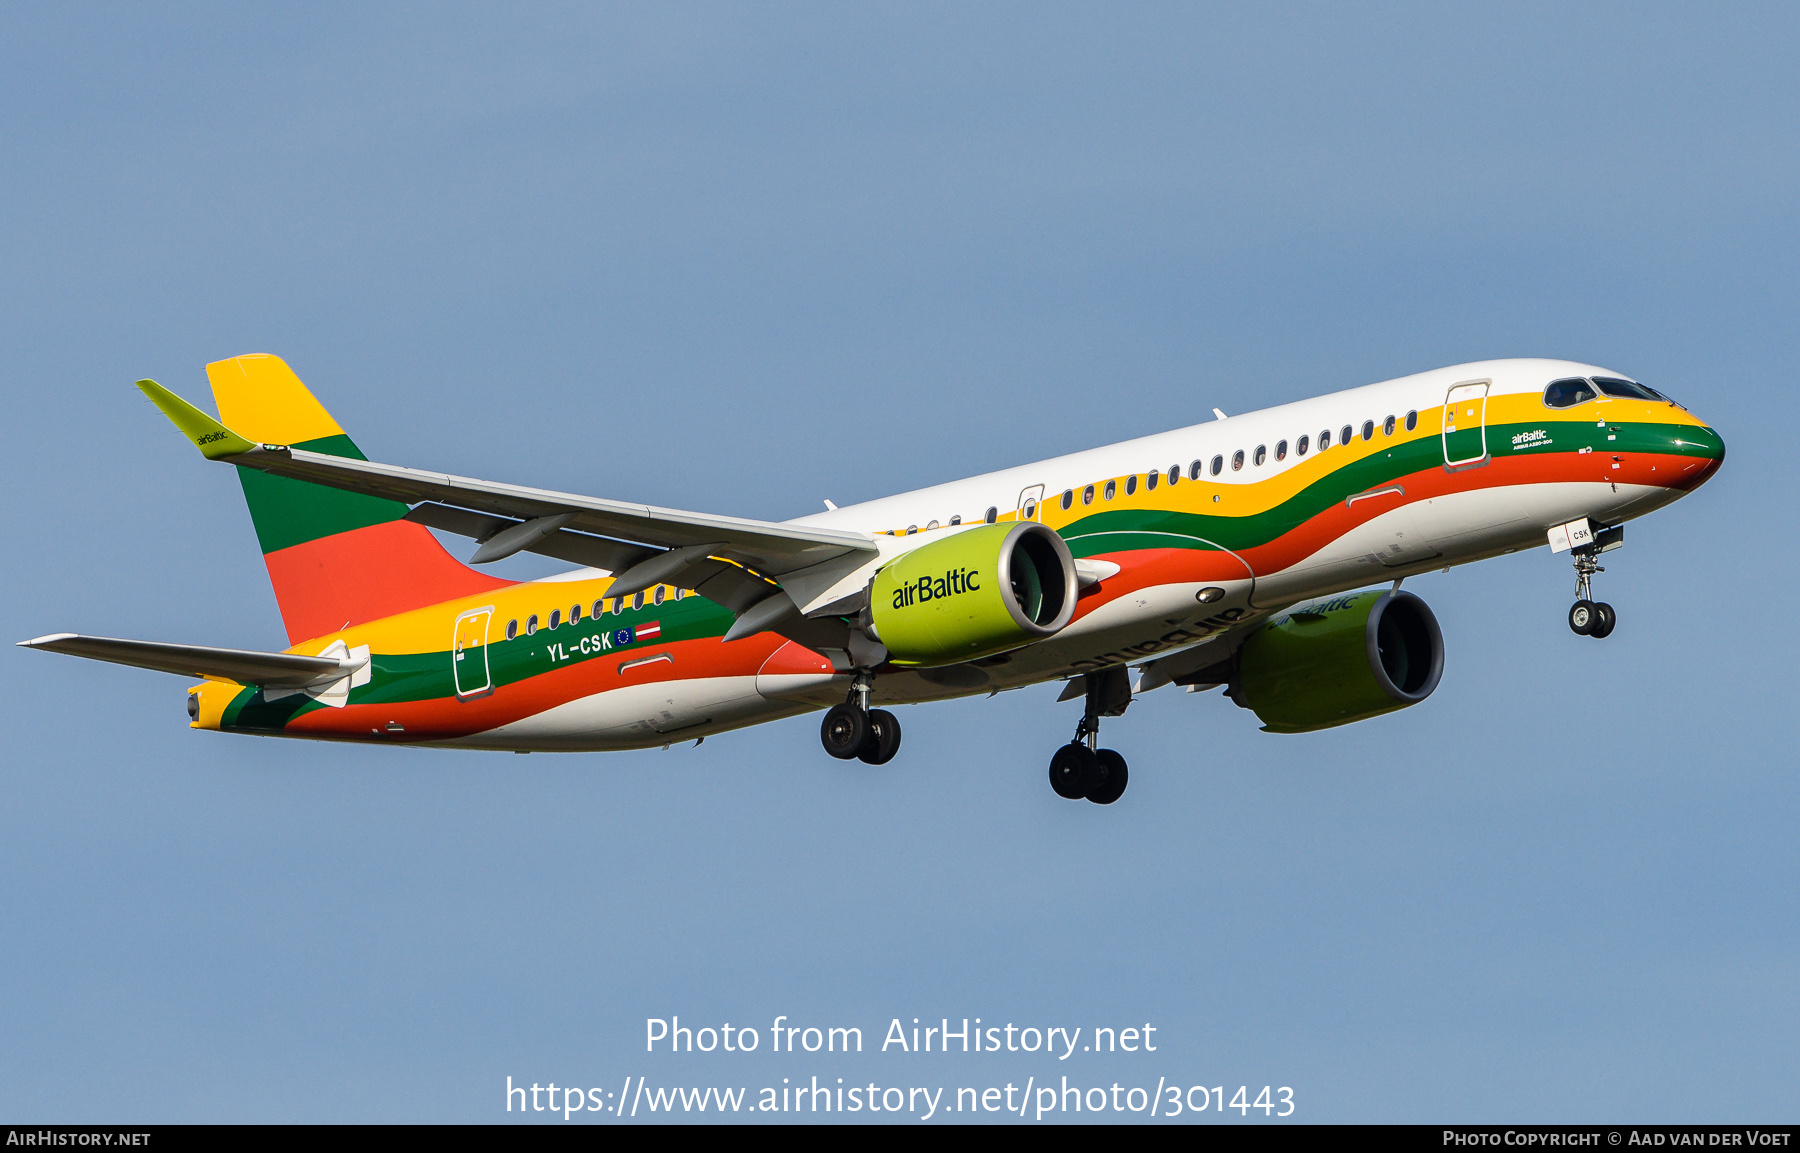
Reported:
(335, 558)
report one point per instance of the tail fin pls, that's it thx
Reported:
(335, 558)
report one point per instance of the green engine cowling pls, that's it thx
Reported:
(1341, 660)
(973, 594)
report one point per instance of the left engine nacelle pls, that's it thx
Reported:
(1340, 660)
(979, 592)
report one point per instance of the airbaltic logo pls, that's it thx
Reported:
(210, 437)
(957, 580)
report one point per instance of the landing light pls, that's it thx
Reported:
(1208, 595)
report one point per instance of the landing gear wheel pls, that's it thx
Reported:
(1109, 781)
(1604, 620)
(1583, 618)
(1072, 770)
(883, 741)
(844, 731)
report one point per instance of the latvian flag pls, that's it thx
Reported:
(648, 632)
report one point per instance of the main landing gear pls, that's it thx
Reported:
(854, 730)
(1082, 769)
(1588, 617)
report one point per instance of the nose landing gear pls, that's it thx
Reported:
(1588, 617)
(854, 730)
(1080, 768)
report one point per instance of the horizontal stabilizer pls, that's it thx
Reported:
(287, 670)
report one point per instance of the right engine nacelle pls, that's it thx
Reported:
(973, 594)
(1346, 659)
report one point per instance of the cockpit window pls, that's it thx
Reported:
(1568, 393)
(1613, 386)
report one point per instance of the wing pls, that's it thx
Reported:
(245, 666)
(769, 575)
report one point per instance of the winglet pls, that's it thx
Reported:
(213, 439)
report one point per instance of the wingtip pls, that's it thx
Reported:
(213, 439)
(39, 642)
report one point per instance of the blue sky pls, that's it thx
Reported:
(744, 259)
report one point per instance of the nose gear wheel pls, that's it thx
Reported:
(1588, 617)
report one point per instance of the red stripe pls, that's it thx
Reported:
(366, 574)
(446, 717)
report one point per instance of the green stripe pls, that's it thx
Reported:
(288, 512)
(410, 677)
(1122, 529)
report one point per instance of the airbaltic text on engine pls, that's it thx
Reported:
(929, 589)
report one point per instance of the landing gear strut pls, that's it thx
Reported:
(1588, 617)
(854, 730)
(1082, 769)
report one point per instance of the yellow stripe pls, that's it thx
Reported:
(428, 629)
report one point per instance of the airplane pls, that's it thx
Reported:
(1238, 553)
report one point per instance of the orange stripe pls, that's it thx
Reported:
(365, 574)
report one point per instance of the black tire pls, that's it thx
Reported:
(1604, 620)
(1072, 771)
(844, 731)
(1109, 780)
(1582, 618)
(883, 740)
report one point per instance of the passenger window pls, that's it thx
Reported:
(679, 594)
(659, 594)
(1412, 420)
(637, 600)
(1368, 430)
(1175, 473)
(1131, 485)
(1068, 498)
(574, 613)
(931, 526)
(1613, 386)
(1150, 479)
(911, 530)
(1300, 447)
(512, 628)
(531, 624)
(555, 619)
(1387, 427)
(1237, 460)
(1324, 440)
(1218, 465)
(957, 519)
(1345, 433)
(599, 608)
(1194, 470)
(1568, 392)
(1087, 495)
(1262, 454)
(618, 605)
(1281, 450)
(993, 514)
(1111, 487)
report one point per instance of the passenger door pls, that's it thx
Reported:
(468, 653)
(1465, 425)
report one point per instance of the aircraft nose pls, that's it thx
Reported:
(1704, 441)
(1704, 444)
